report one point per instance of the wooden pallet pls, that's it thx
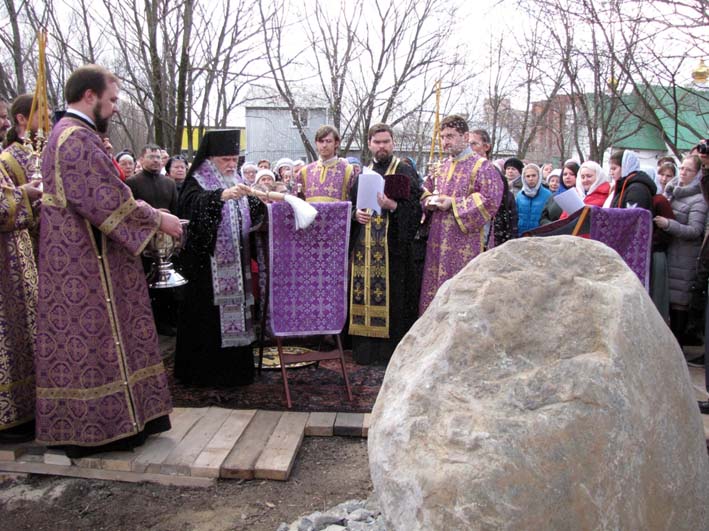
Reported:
(204, 444)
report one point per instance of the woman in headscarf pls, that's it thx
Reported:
(632, 188)
(248, 173)
(592, 185)
(531, 200)
(687, 231)
(554, 181)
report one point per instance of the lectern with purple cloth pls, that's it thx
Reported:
(308, 280)
(628, 231)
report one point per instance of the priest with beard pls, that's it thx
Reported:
(215, 331)
(100, 380)
(384, 281)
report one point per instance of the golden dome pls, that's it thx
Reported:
(701, 73)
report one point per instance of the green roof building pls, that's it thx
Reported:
(656, 121)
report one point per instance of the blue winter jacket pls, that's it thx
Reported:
(529, 209)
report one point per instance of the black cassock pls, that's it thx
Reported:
(200, 358)
(404, 273)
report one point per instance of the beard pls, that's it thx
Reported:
(101, 123)
(383, 155)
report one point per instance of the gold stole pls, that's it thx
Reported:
(369, 287)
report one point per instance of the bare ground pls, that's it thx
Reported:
(327, 471)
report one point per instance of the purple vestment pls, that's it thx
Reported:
(327, 182)
(308, 270)
(457, 235)
(18, 298)
(15, 162)
(100, 377)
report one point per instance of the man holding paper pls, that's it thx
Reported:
(384, 288)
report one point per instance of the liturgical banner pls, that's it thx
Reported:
(308, 270)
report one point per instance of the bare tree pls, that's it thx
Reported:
(622, 60)
(366, 69)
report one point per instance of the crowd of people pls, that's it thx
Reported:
(80, 366)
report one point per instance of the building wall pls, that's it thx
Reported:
(271, 134)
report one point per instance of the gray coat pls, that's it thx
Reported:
(687, 231)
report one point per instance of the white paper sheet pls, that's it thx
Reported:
(569, 201)
(369, 185)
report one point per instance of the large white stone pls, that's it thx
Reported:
(541, 390)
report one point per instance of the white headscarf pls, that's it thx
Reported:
(601, 177)
(531, 192)
(629, 164)
(248, 165)
(263, 172)
(283, 162)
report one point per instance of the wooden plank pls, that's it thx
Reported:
(188, 449)
(10, 452)
(56, 457)
(365, 424)
(30, 467)
(117, 461)
(209, 461)
(320, 424)
(276, 460)
(349, 424)
(150, 455)
(241, 460)
(92, 461)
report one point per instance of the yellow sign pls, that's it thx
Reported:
(198, 133)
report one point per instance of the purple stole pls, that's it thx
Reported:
(231, 272)
(323, 183)
(308, 270)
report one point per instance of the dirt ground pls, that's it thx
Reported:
(327, 471)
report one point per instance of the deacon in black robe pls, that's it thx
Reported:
(385, 282)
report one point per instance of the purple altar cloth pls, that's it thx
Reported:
(308, 270)
(628, 231)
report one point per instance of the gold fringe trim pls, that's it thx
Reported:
(55, 393)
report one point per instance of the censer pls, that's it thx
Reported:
(161, 248)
